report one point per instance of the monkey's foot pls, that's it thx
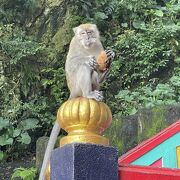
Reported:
(97, 95)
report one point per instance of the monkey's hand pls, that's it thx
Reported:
(92, 63)
(110, 56)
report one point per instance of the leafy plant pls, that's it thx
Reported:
(18, 11)
(15, 133)
(146, 96)
(20, 80)
(16, 45)
(24, 174)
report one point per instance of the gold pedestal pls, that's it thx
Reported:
(84, 119)
(48, 171)
(89, 138)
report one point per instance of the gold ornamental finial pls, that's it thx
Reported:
(84, 119)
(48, 173)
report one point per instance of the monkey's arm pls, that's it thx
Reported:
(52, 140)
(103, 76)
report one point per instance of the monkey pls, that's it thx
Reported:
(82, 77)
(82, 74)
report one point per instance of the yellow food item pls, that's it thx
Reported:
(102, 61)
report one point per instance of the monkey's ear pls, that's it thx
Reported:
(75, 30)
(94, 26)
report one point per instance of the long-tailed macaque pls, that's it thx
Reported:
(82, 74)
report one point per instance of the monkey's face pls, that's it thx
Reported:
(87, 35)
(87, 38)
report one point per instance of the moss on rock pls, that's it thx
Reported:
(53, 3)
(151, 121)
(54, 28)
(64, 34)
(114, 132)
(126, 132)
(123, 133)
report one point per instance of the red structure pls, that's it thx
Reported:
(155, 159)
(134, 172)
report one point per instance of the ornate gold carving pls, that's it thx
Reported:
(48, 171)
(84, 119)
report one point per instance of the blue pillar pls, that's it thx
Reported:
(84, 162)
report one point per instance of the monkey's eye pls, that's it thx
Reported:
(89, 32)
(83, 33)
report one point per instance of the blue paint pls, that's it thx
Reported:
(170, 159)
(84, 162)
(166, 150)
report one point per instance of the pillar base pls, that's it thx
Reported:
(84, 162)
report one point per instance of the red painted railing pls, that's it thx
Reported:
(127, 171)
(132, 172)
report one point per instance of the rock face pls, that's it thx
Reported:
(53, 25)
(41, 145)
(125, 133)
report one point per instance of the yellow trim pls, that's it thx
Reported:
(178, 156)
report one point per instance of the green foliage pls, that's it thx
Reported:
(146, 96)
(152, 52)
(24, 174)
(147, 51)
(16, 45)
(146, 70)
(18, 11)
(52, 78)
(1, 155)
(20, 85)
(14, 133)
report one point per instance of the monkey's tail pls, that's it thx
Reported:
(50, 147)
